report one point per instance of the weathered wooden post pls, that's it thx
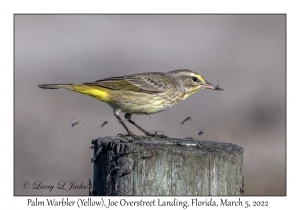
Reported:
(166, 166)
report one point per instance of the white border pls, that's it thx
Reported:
(8, 8)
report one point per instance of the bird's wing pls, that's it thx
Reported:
(154, 82)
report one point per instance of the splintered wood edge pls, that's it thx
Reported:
(189, 144)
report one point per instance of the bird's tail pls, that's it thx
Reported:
(98, 92)
(57, 86)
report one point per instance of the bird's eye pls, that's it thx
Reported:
(195, 79)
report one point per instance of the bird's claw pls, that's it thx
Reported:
(127, 135)
(157, 135)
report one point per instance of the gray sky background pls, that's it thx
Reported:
(245, 53)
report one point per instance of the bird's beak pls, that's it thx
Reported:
(211, 86)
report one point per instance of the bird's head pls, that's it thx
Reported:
(191, 82)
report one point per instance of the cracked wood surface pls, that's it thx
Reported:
(166, 166)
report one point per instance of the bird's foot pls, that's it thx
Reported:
(157, 135)
(128, 135)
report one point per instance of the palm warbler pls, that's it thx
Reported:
(142, 93)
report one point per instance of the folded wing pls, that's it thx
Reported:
(154, 82)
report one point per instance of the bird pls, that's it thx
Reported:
(141, 93)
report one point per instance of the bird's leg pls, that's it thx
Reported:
(117, 114)
(128, 117)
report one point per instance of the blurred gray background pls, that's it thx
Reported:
(245, 53)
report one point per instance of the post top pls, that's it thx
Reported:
(185, 143)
